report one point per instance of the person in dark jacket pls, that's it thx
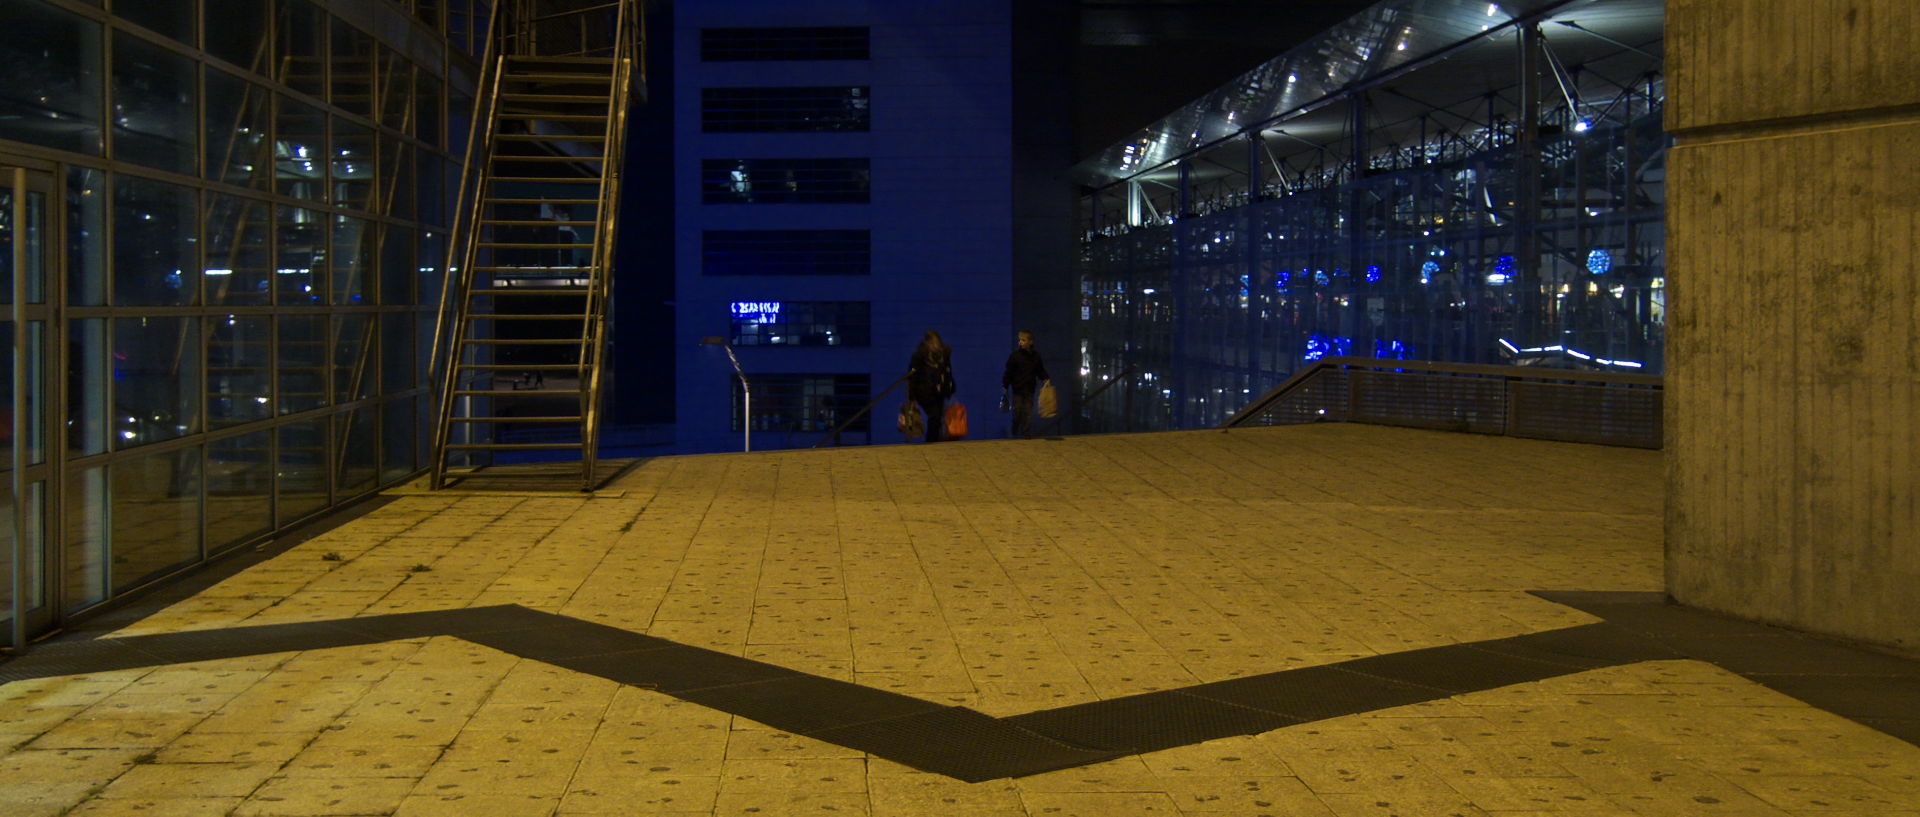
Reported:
(1024, 373)
(930, 382)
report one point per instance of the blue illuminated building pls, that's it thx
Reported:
(1496, 170)
(841, 175)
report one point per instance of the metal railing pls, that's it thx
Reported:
(834, 435)
(548, 30)
(1517, 401)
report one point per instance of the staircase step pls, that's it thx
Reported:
(554, 117)
(564, 99)
(513, 200)
(549, 179)
(516, 392)
(576, 292)
(550, 137)
(523, 341)
(533, 419)
(511, 446)
(512, 316)
(515, 367)
(544, 157)
(535, 222)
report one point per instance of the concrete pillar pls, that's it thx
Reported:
(1793, 355)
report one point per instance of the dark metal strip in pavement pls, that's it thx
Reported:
(965, 744)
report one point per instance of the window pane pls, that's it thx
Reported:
(394, 194)
(153, 114)
(432, 247)
(397, 429)
(396, 89)
(156, 379)
(86, 237)
(774, 181)
(300, 271)
(154, 263)
(352, 164)
(237, 32)
(238, 115)
(303, 363)
(352, 259)
(801, 323)
(427, 113)
(398, 268)
(87, 386)
(52, 95)
(301, 480)
(432, 200)
(359, 450)
(353, 367)
(238, 354)
(239, 255)
(300, 150)
(767, 110)
(239, 489)
(84, 551)
(352, 68)
(172, 18)
(156, 515)
(396, 351)
(300, 29)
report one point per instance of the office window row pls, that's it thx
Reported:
(777, 110)
(786, 252)
(789, 43)
(801, 323)
(785, 181)
(803, 402)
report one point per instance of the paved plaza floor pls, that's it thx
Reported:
(1301, 622)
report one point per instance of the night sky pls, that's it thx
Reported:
(1138, 60)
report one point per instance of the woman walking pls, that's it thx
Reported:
(930, 382)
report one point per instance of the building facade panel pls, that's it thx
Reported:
(935, 215)
(223, 209)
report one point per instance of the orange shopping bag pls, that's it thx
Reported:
(956, 421)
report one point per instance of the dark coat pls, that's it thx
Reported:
(1024, 371)
(932, 375)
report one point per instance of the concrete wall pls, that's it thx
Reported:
(1793, 364)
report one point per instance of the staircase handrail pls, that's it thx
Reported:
(627, 45)
(835, 433)
(463, 244)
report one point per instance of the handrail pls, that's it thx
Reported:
(835, 433)
(1299, 378)
(463, 244)
(599, 294)
(1087, 400)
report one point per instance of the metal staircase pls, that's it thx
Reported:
(521, 345)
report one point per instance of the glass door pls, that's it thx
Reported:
(26, 259)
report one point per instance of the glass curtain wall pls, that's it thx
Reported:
(247, 198)
(1519, 223)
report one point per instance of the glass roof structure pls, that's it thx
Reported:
(1385, 44)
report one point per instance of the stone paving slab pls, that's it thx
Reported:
(1005, 576)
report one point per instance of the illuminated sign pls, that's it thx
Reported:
(756, 311)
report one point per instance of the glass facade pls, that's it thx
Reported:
(222, 225)
(1519, 225)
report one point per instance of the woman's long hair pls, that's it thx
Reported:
(931, 346)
